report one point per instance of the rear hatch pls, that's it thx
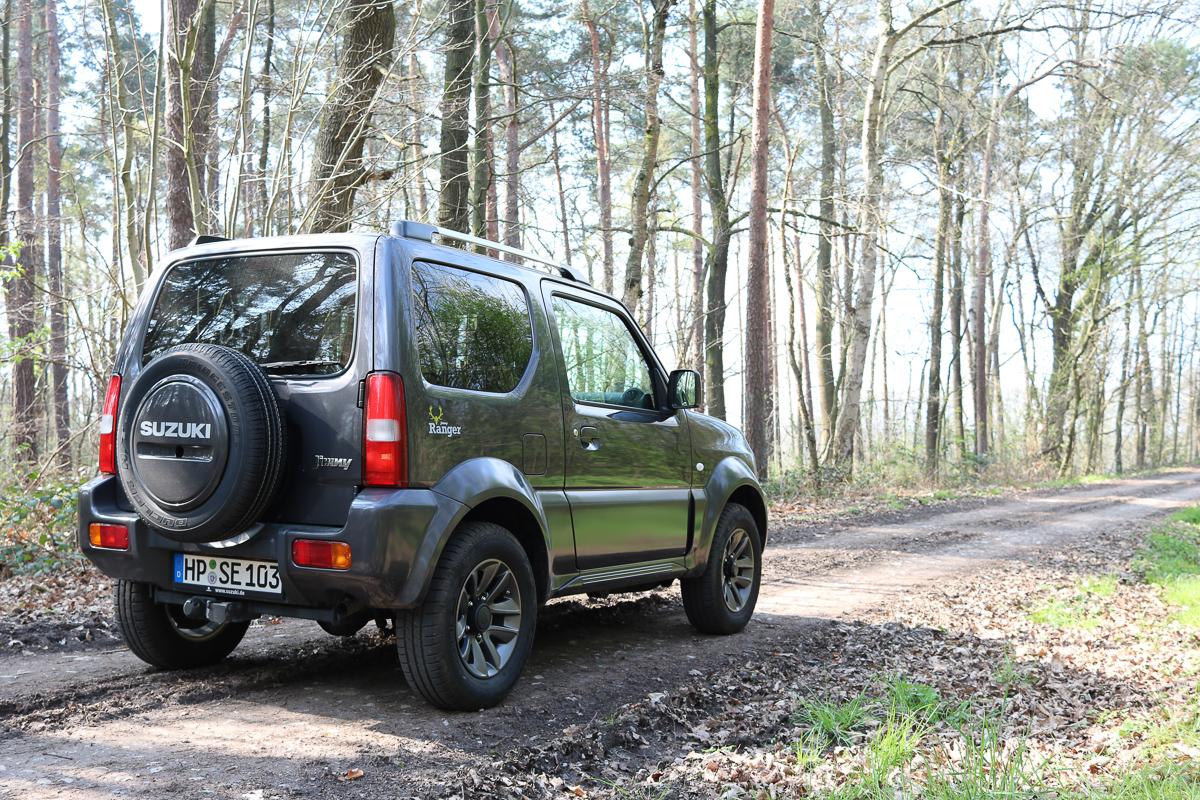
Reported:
(296, 314)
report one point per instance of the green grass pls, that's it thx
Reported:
(1009, 674)
(1170, 559)
(986, 768)
(1160, 782)
(1082, 610)
(835, 723)
(1159, 733)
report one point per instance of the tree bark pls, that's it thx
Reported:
(486, 21)
(454, 210)
(933, 400)
(694, 345)
(183, 99)
(870, 221)
(758, 333)
(54, 261)
(264, 147)
(365, 57)
(506, 63)
(826, 387)
(600, 131)
(640, 196)
(718, 254)
(22, 314)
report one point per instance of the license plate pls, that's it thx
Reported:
(230, 576)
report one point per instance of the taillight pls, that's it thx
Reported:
(322, 554)
(385, 450)
(110, 537)
(108, 427)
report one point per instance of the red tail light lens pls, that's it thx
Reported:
(385, 435)
(321, 554)
(110, 537)
(108, 427)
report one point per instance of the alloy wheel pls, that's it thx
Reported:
(488, 618)
(737, 576)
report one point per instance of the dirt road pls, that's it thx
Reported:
(294, 709)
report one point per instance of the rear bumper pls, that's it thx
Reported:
(394, 535)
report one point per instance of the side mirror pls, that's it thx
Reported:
(684, 389)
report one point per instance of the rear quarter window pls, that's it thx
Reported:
(290, 312)
(473, 331)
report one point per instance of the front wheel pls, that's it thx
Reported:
(163, 637)
(721, 599)
(465, 647)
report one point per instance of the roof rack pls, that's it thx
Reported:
(425, 233)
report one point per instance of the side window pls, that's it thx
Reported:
(473, 331)
(604, 364)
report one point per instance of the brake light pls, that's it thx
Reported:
(385, 447)
(108, 427)
(110, 537)
(322, 554)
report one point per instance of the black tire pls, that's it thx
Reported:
(195, 487)
(427, 637)
(162, 637)
(704, 596)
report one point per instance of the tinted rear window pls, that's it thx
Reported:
(290, 312)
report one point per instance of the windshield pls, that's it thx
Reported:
(290, 312)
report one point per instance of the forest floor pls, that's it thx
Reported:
(1032, 645)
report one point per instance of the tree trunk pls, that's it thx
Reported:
(454, 210)
(555, 157)
(123, 111)
(983, 266)
(506, 62)
(22, 313)
(486, 21)
(264, 146)
(870, 222)
(826, 387)
(54, 262)
(694, 348)
(600, 129)
(718, 255)
(1122, 391)
(956, 317)
(758, 334)
(365, 57)
(184, 193)
(640, 196)
(933, 400)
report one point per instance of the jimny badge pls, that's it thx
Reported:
(439, 427)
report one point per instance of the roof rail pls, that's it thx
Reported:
(425, 233)
(206, 238)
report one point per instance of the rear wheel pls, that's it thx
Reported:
(164, 638)
(465, 647)
(721, 600)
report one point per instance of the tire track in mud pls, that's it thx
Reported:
(856, 544)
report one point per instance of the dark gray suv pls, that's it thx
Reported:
(351, 427)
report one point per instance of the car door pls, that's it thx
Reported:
(628, 456)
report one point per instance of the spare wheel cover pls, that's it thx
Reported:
(180, 442)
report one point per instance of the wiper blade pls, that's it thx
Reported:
(299, 365)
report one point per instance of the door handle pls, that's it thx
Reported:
(589, 437)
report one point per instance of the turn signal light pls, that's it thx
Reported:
(321, 553)
(110, 537)
(385, 445)
(108, 427)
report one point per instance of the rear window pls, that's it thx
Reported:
(292, 313)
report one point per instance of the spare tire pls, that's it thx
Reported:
(200, 443)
